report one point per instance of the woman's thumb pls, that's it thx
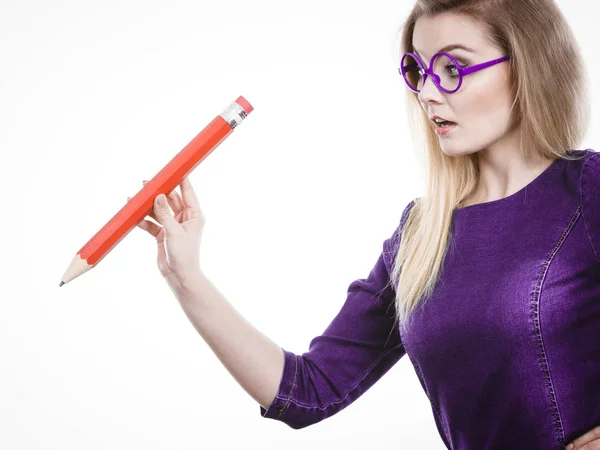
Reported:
(163, 214)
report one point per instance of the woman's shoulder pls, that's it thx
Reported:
(589, 175)
(588, 156)
(589, 197)
(393, 242)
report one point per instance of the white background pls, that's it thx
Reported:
(96, 96)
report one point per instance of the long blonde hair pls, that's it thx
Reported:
(549, 87)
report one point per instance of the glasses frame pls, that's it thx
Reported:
(462, 72)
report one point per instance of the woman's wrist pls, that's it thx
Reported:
(184, 283)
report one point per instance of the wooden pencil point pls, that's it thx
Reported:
(78, 266)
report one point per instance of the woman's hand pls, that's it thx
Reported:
(589, 441)
(178, 238)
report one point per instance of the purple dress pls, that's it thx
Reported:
(507, 348)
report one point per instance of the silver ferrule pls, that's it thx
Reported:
(234, 114)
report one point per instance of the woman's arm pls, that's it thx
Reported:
(253, 359)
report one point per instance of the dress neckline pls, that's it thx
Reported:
(510, 199)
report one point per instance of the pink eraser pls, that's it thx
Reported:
(244, 104)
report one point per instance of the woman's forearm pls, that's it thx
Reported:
(253, 359)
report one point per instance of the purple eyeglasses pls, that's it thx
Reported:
(411, 68)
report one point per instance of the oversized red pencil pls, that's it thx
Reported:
(140, 205)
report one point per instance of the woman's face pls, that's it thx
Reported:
(481, 106)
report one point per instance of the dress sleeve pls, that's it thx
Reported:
(589, 192)
(358, 347)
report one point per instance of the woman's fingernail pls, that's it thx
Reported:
(570, 446)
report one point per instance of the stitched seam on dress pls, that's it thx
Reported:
(434, 404)
(534, 307)
(582, 182)
(281, 411)
(367, 372)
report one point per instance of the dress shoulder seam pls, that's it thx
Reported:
(582, 200)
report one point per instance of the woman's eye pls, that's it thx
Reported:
(451, 67)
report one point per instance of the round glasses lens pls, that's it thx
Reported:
(413, 74)
(447, 72)
(443, 67)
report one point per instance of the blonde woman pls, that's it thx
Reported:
(491, 282)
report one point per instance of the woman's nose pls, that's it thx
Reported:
(429, 90)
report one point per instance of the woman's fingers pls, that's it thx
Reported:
(190, 200)
(174, 200)
(177, 204)
(150, 227)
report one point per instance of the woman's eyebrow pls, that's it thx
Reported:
(447, 48)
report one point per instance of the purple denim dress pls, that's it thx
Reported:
(507, 348)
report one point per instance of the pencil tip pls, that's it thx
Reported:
(61, 283)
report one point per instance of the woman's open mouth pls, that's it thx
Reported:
(445, 127)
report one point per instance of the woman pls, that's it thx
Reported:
(493, 274)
